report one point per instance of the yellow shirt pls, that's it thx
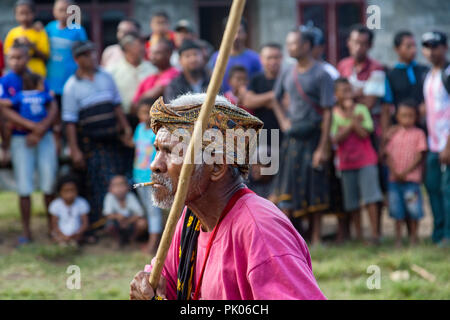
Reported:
(39, 38)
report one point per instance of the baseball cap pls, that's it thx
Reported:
(81, 47)
(433, 39)
(184, 24)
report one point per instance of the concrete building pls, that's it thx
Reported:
(269, 20)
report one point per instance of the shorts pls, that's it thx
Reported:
(25, 159)
(360, 187)
(405, 201)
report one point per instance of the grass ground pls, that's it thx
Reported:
(38, 271)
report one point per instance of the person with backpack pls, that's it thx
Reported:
(437, 100)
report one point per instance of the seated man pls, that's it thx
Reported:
(255, 252)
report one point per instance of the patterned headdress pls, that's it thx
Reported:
(182, 113)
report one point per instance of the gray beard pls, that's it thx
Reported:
(166, 203)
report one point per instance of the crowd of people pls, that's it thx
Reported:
(358, 135)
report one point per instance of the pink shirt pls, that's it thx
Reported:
(403, 147)
(257, 254)
(161, 78)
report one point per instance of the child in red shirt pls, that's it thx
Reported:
(405, 151)
(357, 160)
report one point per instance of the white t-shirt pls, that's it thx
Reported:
(69, 217)
(132, 207)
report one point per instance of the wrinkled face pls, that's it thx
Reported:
(358, 45)
(435, 54)
(125, 27)
(68, 192)
(159, 25)
(407, 49)
(192, 60)
(24, 15)
(166, 169)
(406, 116)
(17, 59)
(118, 187)
(271, 59)
(182, 35)
(160, 54)
(60, 10)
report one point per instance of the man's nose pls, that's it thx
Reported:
(158, 164)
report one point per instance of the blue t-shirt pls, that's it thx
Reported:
(61, 65)
(10, 85)
(144, 153)
(249, 59)
(31, 105)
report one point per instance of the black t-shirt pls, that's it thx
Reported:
(260, 84)
(401, 86)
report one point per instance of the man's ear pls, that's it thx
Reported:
(218, 171)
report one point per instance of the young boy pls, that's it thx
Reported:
(357, 159)
(238, 81)
(123, 211)
(61, 64)
(69, 212)
(36, 41)
(32, 112)
(405, 151)
(10, 84)
(160, 26)
(144, 154)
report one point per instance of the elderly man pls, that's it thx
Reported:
(130, 70)
(229, 243)
(114, 53)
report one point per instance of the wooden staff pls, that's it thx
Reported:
(231, 29)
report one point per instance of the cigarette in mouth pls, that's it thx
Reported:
(138, 185)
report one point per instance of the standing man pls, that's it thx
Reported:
(193, 77)
(367, 78)
(240, 55)
(114, 53)
(160, 26)
(255, 253)
(154, 85)
(260, 95)
(61, 64)
(130, 70)
(404, 81)
(94, 123)
(436, 91)
(301, 186)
